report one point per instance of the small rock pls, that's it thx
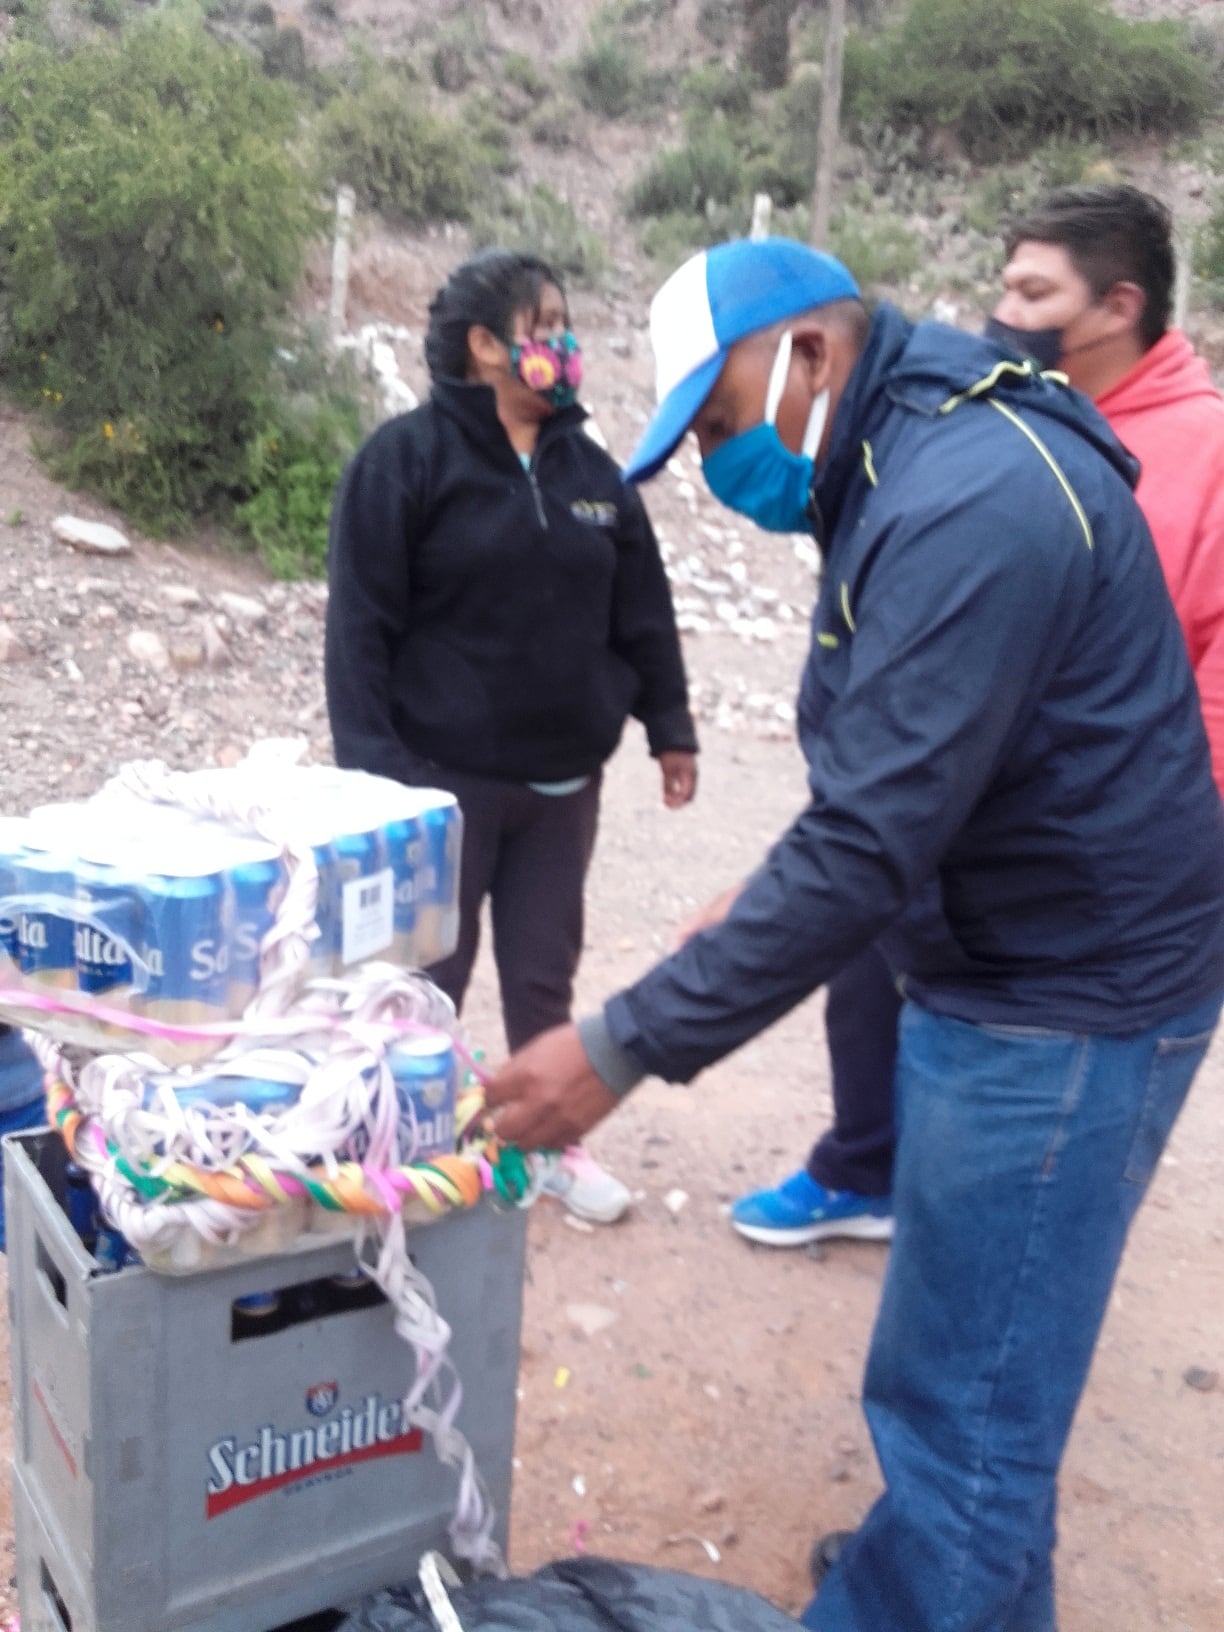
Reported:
(185, 595)
(590, 1318)
(676, 1201)
(149, 649)
(11, 648)
(90, 537)
(712, 1502)
(216, 649)
(1200, 1378)
(89, 588)
(187, 652)
(244, 610)
(619, 345)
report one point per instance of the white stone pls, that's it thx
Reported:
(216, 651)
(91, 537)
(149, 649)
(676, 1201)
(244, 610)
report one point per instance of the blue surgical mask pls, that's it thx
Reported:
(756, 474)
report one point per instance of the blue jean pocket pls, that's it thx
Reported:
(1174, 1063)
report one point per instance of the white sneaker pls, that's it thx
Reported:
(588, 1190)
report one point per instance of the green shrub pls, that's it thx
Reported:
(554, 123)
(541, 223)
(491, 135)
(524, 73)
(877, 247)
(716, 89)
(153, 224)
(402, 160)
(1012, 189)
(1006, 74)
(293, 466)
(718, 22)
(612, 78)
(708, 169)
(1209, 254)
(283, 55)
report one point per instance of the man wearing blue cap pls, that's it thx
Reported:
(998, 715)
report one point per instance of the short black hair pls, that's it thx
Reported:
(487, 289)
(1113, 235)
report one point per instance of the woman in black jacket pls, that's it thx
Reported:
(498, 609)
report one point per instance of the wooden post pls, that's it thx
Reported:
(830, 121)
(337, 313)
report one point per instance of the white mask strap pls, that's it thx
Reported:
(777, 377)
(816, 423)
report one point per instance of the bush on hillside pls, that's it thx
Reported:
(612, 78)
(1209, 256)
(716, 89)
(541, 223)
(294, 462)
(707, 170)
(402, 160)
(153, 225)
(1006, 74)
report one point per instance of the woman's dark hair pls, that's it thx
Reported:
(1113, 235)
(487, 289)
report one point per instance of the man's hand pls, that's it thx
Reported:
(547, 1097)
(712, 913)
(679, 769)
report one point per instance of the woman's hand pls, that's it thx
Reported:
(679, 771)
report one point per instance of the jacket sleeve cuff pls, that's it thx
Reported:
(614, 1065)
(671, 730)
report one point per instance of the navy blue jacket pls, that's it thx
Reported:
(997, 707)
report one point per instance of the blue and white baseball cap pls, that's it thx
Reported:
(713, 300)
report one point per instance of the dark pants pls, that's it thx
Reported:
(861, 1014)
(529, 853)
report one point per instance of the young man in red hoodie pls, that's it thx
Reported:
(1088, 290)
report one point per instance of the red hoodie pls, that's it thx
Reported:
(1171, 417)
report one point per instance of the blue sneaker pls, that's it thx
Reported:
(800, 1210)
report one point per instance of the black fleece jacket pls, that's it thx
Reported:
(493, 619)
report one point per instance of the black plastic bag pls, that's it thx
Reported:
(580, 1595)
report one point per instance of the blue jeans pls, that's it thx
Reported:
(21, 1096)
(1022, 1157)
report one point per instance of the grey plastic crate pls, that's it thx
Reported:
(155, 1485)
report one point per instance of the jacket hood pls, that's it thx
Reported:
(930, 369)
(1172, 371)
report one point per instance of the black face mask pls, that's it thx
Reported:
(1044, 346)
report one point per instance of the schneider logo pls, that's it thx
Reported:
(272, 1460)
